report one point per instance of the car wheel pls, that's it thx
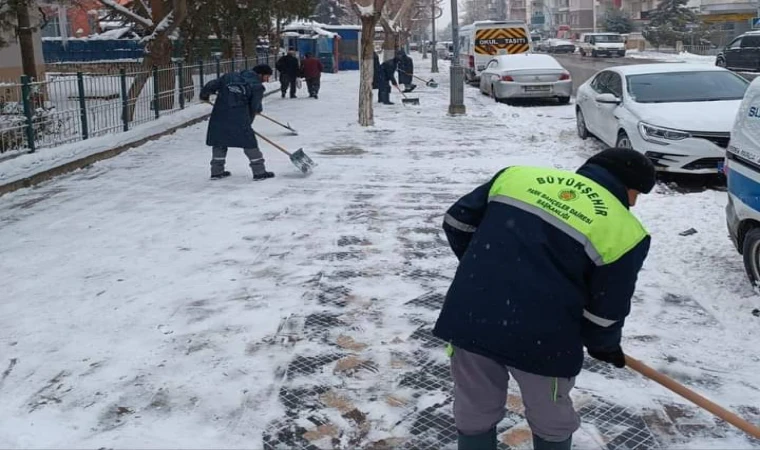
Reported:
(563, 100)
(580, 123)
(583, 53)
(720, 62)
(593, 54)
(751, 253)
(623, 141)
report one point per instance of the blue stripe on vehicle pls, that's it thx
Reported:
(744, 188)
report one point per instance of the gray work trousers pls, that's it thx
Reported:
(480, 396)
(219, 156)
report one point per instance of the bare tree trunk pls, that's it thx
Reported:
(134, 92)
(26, 40)
(389, 44)
(366, 114)
(161, 56)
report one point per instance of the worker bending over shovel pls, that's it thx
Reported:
(548, 261)
(238, 99)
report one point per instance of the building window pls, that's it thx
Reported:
(52, 28)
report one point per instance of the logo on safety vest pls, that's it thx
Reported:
(567, 195)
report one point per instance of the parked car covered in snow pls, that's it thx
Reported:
(559, 46)
(679, 115)
(742, 169)
(527, 75)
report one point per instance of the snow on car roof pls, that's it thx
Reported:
(528, 61)
(642, 69)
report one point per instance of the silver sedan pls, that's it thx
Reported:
(527, 75)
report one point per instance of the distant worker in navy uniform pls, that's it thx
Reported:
(548, 261)
(238, 99)
(406, 71)
(387, 78)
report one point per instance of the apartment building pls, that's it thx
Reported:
(733, 17)
(10, 59)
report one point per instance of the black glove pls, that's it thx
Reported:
(616, 357)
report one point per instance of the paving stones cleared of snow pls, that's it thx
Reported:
(145, 306)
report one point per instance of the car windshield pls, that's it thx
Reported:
(672, 87)
(608, 38)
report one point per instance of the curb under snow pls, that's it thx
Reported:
(29, 169)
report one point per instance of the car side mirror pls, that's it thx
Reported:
(608, 99)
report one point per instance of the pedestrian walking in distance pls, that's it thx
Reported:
(238, 100)
(289, 67)
(406, 71)
(548, 261)
(377, 76)
(387, 78)
(311, 69)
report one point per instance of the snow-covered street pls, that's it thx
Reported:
(145, 306)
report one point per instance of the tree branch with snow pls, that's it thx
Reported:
(127, 13)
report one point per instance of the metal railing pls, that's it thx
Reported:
(703, 50)
(69, 107)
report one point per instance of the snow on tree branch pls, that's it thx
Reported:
(162, 27)
(113, 5)
(366, 11)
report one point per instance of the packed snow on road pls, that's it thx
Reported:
(144, 305)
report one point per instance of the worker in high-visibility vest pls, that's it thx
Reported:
(548, 265)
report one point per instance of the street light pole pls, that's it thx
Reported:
(456, 77)
(434, 56)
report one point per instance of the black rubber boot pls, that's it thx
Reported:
(482, 441)
(542, 444)
(218, 176)
(263, 176)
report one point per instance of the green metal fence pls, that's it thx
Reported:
(69, 107)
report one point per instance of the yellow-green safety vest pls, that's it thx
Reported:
(575, 204)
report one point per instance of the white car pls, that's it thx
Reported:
(559, 46)
(679, 115)
(526, 75)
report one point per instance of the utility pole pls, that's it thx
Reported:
(593, 9)
(26, 40)
(456, 77)
(434, 56)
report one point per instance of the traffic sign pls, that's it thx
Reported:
(756, 22)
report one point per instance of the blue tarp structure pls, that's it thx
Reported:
(91, 50)
(308, 37)
(348, 46)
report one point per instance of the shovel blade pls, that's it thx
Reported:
(302, 161)
(432, 84)
(411, 101)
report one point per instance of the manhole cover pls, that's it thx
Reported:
(343, 150)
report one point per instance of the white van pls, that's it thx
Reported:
(480, 41)
(742, 169)
(598, 44)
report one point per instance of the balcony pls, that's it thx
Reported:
(727, 6)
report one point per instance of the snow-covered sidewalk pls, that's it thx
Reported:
(146, 306)
(684, 57)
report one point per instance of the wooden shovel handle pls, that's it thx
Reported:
(272, 143)
(272, 120)
(692, 396)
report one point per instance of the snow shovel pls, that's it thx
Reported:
(692, 396)
(298, 158)
(287, 127)
(429, 83)
(406, 100)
